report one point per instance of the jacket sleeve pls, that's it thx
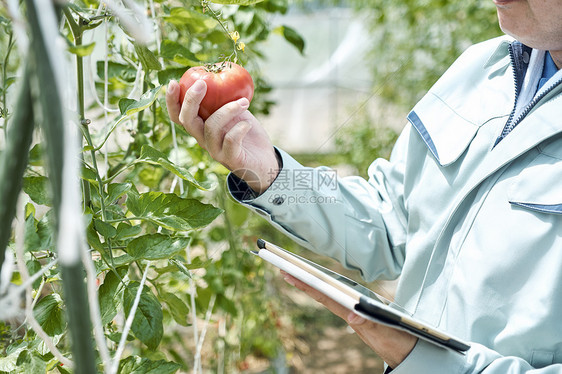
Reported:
(428, 358)
(360, 223)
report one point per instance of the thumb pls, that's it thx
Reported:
(355, 320)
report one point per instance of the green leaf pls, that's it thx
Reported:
(236, 2)
(196, 263)
(137, 365)
(38, 189)
(115, 70)
(193, 20)
(147, 323)
(125, 231)
(8, 363)
(155, 157)
(178, 308)
(37, 235)
(227, 305)
(32, 242)
(177, 264)
(29, 210)
(89, 175)
(33, 266)
(165, 76)
(110, 295)
(171, 211)
(292, 36)
(116, 190)
(156, 246)
(30, 362)
(82, 50)
(36, 155)
(131, 107)
(148, 60)
(105, 229)
(124, 104)
(120, 261)
(176, 52)
(49, 314)
(116, 337)
(144, 102)
(94, 239)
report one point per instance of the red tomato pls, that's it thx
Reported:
(226, 82)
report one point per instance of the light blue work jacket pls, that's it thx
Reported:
(473, 228)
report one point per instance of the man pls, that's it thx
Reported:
(468, 211)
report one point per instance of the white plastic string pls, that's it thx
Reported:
(105, 92)
(27, 281)
(71, 241)
(173, 128)
(157, 33)
(7, 271)
(197, 365)
(90, 72)
(128, 323)
(133, 19)
(10, 302)
(19, 27)
(95, 315)
(193, 291)
(71, 225)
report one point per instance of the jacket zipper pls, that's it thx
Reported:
(510, 124)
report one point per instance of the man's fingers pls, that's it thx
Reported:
(216, 126)
(189, 114)
(172, 101)
(233, 139)
(355, 320)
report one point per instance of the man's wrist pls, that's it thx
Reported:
(260, 184)
(245, 184)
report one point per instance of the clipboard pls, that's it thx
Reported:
(354, 296)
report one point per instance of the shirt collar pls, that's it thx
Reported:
(548, 71)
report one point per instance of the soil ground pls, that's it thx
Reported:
(319, 342)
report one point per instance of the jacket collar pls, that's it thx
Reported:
(479, 87)
(520, 56)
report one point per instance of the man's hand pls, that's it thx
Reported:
(231, 135)
(390, 344)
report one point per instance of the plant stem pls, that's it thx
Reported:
(126, 219)
(141, 113)
(46, 58)
(77, 32)
(29, 300)
(87, 136)
(4, 79)
(154, 123)
(207, 7)
(14, 159)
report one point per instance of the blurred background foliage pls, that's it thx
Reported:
(414, 41)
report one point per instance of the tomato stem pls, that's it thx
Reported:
(218, 67)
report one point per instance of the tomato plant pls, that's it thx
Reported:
(226, 82)
(148, 218)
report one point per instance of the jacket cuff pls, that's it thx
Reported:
(429, 358)
(279, 193)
